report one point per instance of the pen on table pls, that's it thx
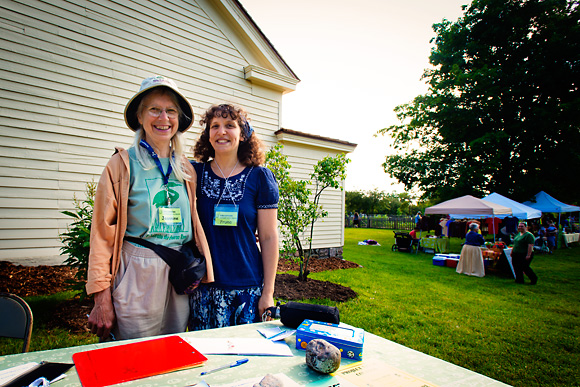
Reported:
(234, 364)
(276, 335)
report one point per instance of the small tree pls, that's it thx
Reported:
(76, 239)
(296, 211)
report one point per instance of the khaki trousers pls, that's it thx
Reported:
(145, 302)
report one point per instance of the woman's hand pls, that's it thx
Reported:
(102, 317)
(530, 251)
(266, 301)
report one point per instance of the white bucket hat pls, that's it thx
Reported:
(185, 120)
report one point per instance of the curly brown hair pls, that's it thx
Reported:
(250, 150)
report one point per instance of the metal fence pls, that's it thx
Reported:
(391, 222)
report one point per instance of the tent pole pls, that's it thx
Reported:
(493, 225)
(558, 232)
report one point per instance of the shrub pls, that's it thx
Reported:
(76, 239)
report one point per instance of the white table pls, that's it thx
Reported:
(571, 238)
(426, 367)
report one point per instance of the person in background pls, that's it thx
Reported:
(471, 260)
(566, 225)
(147, 191)
(541, 236)
(418, 219)
(522, 255)
(236, 198)
(356, 220)
(504, 236)
(413, 233)
(551, 233)
(443, 224)
(470, 222)
(415, 238)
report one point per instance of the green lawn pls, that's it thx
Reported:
(519, 334)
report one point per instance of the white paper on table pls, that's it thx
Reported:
(276, 333)
(238, 346)
(287, 382)
(13, 372)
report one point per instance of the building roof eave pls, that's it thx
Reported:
(294, 136)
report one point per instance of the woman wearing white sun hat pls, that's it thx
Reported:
(148, 192)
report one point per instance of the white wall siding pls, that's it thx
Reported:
(328, 231)
(67, 69)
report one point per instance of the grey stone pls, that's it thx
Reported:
(322, 356)
(270, 381)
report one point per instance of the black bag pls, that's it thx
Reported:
(187, 266)
(292, 313)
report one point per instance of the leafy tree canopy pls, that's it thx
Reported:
(379, 202)
(502, 110)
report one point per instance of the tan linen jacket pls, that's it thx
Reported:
(109, 222)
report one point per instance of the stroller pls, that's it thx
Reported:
(404, 242)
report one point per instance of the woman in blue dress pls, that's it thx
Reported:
(237, 201)
(471, 260)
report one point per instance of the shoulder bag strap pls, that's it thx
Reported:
(170, 256)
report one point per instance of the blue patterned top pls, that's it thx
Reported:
(237, 262)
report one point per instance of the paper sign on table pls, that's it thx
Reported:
(287, 382)
(375, 373)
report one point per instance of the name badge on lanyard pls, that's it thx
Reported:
(170, 216)
(225, 215)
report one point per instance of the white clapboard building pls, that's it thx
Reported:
(70, 66)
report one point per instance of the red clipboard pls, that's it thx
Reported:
(125, 362)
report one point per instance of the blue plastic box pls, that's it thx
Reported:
(439, 261)
(349, 340)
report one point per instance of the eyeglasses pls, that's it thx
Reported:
(156, 112)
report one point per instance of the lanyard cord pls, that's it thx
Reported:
(155, 158)
(227, 183)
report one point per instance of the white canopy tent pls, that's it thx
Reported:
(469, 206)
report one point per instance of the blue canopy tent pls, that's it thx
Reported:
(519, 210)
(546, 203)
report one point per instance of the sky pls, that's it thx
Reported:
(357, 61)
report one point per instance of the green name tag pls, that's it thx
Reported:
(169, 215)
(225, 215)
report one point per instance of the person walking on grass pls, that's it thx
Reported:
(522, 255)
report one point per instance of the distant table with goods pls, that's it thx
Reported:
(379, 354)
(493, 256)
(435, 245)
(571, 238)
